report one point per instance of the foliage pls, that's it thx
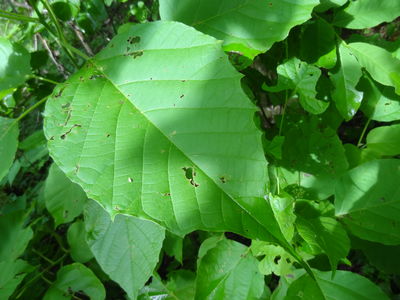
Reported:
(199, 149)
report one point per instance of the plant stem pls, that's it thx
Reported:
(37, 276)
(18, 17)
(60, 33)
(359, 144)
(44, 79)
(33, 107)
(43, 256)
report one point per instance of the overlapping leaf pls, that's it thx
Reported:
(157, 125)
(247, 26)
(8, 144)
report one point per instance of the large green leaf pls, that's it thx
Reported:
(14, 64)
(63, 198)
(75, 278)
(345, 78)
(156, 125)
(381, 102)
(248, 26)
(367, 199)
(127, 249)
(361, 14)
(379, 63)
(301, 78)
(8, 144)
(343, 286)
(228, 271)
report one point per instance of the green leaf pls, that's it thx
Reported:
(384, 140)
(127, 249)
(14, 64)
(317, 40)
(75, 278)
(176, 147)
(301, 78)
(173, 245)
(8, 144)
(361, 14)
(379, 63)
(344, 285)
(11, 275)
(327, 4)
(367, 199)
(380, 102)
(76, 236)
(250, 27)
(275, 259)
(326, 234)
(345, 78)
(64, 199)
(233, 276)
(65, 10)
(14, 236)
(283, 208)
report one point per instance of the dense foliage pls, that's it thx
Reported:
(185, 149)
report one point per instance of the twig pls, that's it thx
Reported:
(60, 68)
(79, 35)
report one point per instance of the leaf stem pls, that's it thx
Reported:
(359, 143)
(44, 79)
(17, 17)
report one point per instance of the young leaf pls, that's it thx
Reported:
(76, 236)
(249, 27)
(345, 78)
(176, 147)
(8, 144)
(233, 276)
(326, 234)
(379, 63)
(361, 14)
(381, 102)
(14, 64)
(127, 249)
(344, 285)
(76, 278)
(301, 78)
(367, 199)
(63, 198)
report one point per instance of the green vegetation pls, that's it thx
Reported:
(185, 149)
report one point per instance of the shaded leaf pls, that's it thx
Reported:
(75, 278)
(63, 198)
(127, 249)
(8, 144)
(301, 78)
(384, 140)
(379, 63)
(345, 78)
(326, 234)
(76, 236)
(367, 199)
(11, 275)
(250, 27)
(14, 64)
(345, 285)
(380, 102)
